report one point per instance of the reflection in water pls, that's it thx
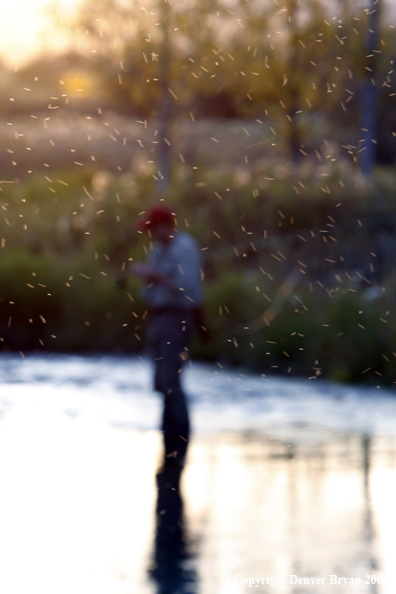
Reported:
(308, 507)
(368, 515)
(306, 488)
(172, 561)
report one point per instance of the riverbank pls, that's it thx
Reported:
(298, 262)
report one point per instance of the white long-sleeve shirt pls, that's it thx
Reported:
(181, 263)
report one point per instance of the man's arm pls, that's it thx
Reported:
(149, 275)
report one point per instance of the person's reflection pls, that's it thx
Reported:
(171, 568)
(368, 508)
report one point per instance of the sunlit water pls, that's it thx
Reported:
(285, 478)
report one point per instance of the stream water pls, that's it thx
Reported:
(288, 480)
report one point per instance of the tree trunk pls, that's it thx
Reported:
(369, 100)
(165, 107)
(293, 137)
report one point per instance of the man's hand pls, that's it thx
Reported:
(121, 279)
(138, 269)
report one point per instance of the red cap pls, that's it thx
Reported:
(160, 214)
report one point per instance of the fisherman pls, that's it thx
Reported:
(173, 291)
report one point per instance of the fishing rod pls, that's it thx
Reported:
(265, 318)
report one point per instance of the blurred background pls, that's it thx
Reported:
(270, 127)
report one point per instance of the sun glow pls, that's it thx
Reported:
(26, 29)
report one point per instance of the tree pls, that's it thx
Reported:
(369, 103)
(284, 59)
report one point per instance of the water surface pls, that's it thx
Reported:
(284, 478)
